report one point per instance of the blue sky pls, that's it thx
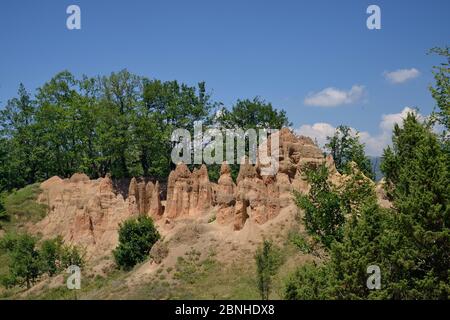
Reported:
(287, 52)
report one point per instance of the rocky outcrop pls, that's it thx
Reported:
(225, 195)
(133, 197)
(83, 212)
(154, 209)
(88, 212)
(188, 193)
(261, 197)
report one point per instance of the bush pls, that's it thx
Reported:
(71, 255)
(25, 263)
(57, 256)
(136, 238)
(50, 255)
(309, 282)
(301, 243)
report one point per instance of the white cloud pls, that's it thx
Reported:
(374, 143)
(401, 75)
(332, 97)
(318, 131)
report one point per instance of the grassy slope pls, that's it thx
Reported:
(21, 208)
(194, 276)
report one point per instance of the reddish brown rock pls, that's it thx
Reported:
(178, 192)
(155, 209)
(79, 177)
(133, 197)
(142, 198)
(86, 214)
(225, 197)
(203, 188)
(148, 195)
(188, 194)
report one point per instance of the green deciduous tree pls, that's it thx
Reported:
(119, 124)
(50, 255)
(25, 262)
(345, 147)
(253, 114)
(28, 260)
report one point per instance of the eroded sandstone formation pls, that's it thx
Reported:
(261, 197)
(254, 196)
(188, 193)
(88, 212)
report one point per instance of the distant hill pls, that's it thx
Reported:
(376, 161)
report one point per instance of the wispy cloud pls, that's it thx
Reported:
(401, 75)
(374, 143)
(332, 97)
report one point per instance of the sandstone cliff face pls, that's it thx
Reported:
(254, 196)
(188, 193)
(83, 212)
(88, 212)
(261, 197)
(225, 196)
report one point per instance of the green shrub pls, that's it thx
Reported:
(71, 255)
(309, 282)
(57, 256)
(50, 255)
(27, 261)
(24, 260)
(136, 238)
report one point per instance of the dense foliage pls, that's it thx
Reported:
(409, 242)
(136, 238)
(323, 215)
(28, 260)
(345, 148)
(119, 124)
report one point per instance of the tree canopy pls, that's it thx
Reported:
(119, 124)
(345, 147)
